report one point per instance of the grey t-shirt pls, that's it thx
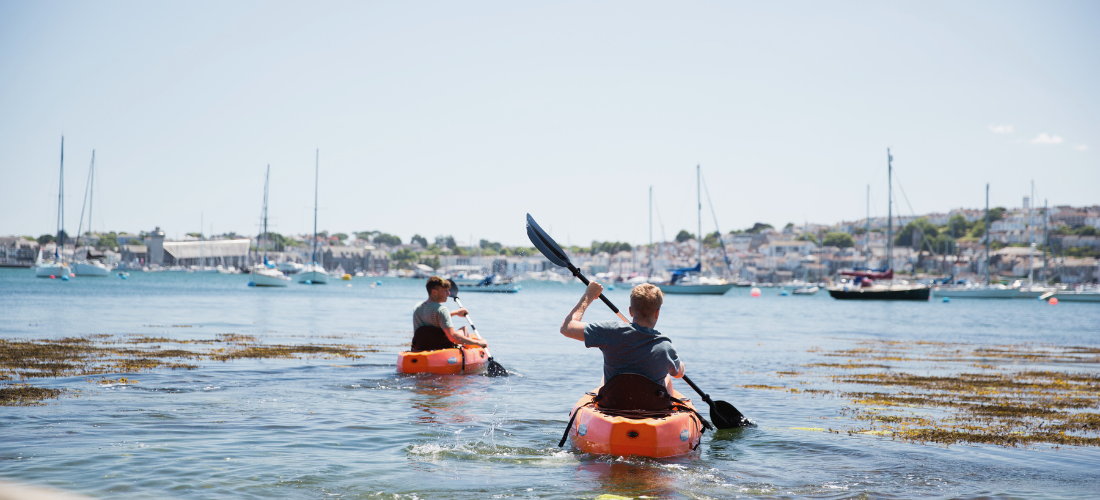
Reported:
(632, 348)
(432, 313)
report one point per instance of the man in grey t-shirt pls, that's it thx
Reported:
(628, 348)
(432, 312)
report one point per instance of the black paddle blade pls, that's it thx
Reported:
(725, 416)
(495, 369)
(542, 241)
(454, 289)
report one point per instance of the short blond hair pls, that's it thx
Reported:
(646, 299)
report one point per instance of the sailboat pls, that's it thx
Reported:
(56, 267)
(690, 280)
(861, 287)
(265, 274)
(314, 273)
(88, 266)
(988, 290)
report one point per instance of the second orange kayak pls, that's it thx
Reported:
(453, 361)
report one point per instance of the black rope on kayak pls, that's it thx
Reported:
(570, 426)
(463, 353)
(702, 421)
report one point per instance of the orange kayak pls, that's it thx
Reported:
(453, 361)
(650, 434)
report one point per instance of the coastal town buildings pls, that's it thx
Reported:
(17, 251)
(1066, 243)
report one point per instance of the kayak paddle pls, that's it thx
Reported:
(494, 369)
(723, 414)
(555, 254)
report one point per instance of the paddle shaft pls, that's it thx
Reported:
(577, 272)
(697, 389)
(495, 369)
(468, 320)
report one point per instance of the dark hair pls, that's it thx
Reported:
(437, 282)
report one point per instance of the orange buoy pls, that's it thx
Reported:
(1054, 301)
(755, 292)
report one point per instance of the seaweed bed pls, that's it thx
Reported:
(948, 393)
(102, 354)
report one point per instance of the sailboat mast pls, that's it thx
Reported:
(699, 213)
(867, 230)
(83, 205)
(649, 252)
(60, 207)
(987, 233)
(91, 194)
(316, 179)
(1046, 240)
(1031, 239)
(267, 178)
(889, 210)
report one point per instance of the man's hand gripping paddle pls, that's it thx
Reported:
(494, 369)
(723, 414)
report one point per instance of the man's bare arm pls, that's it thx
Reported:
(680, 374)
(573, 326)
(460, 338)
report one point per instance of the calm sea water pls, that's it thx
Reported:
(355, 429)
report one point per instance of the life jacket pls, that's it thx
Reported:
(630, 391)
(431, 338)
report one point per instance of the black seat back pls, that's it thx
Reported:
(430, 338)
(630, 391)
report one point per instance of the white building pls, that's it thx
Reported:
(785, 248)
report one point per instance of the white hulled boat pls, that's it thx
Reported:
(690, 281)
(88, 266)
(1078, 295)
(479, 283)
(314, 273)
(91, 268)
(50, 268)
(265, 274)
(975, 291)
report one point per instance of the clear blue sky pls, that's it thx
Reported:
(460, 117)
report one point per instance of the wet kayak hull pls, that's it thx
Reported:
(596, 432)
(453, 361)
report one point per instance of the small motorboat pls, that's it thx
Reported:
(492, 283)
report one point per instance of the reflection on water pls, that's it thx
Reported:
(441, 398)
(629, 477)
